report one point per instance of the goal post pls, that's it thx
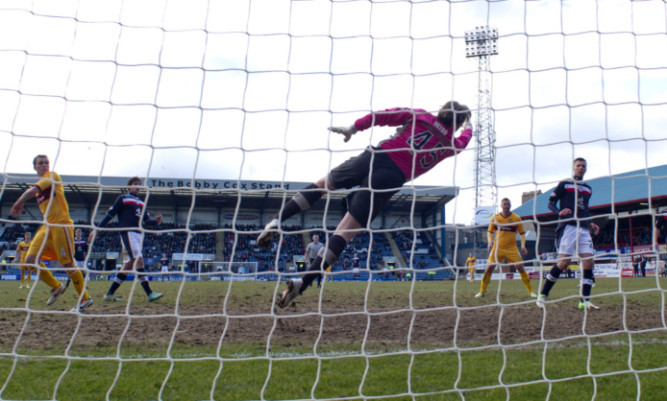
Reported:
(226, 271)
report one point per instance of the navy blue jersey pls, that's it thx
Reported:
(129, 208)
(573, 195)
(80, 249)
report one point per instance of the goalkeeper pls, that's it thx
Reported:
(422, 140)
(503, 227)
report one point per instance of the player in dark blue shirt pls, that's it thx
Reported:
(80, 253)
(129, 209)
(80, 249)
(570, 202)
(164, 267)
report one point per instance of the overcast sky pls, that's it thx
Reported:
(246, 89)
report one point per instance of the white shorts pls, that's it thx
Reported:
(132, 244)
(576, 240)
(80, 263)
(165, 269)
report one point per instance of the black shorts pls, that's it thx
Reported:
(372, 169)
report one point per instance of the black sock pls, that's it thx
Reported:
(144, 282)
(313, 272)
(146, 287)
(551, 280)
(117, 281)
(586, 285)
(336, 245)
(302, 201)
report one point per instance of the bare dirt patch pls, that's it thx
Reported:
(300, 325)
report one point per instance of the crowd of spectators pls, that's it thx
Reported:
(12, 235)
(606, 239)
(240, 247)
(170, 238)
(409, 241)
(167, 238)
(371, 253)
(239, 244)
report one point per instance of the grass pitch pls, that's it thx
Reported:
(352, 341)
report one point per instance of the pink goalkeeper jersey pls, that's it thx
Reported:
(415, 153)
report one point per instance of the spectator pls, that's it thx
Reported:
(642, 265)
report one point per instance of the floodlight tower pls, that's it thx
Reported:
(482, 43)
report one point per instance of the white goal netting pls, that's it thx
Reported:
(222, 109)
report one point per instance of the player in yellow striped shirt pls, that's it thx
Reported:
(21, 254)
(502, 246)
(55, 239)
(471, 262)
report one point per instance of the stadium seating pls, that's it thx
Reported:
(238, 246)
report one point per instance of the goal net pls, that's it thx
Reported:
(222, 109)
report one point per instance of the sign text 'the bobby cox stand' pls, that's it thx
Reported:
(217, 184)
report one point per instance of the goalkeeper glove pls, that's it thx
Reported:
(347, 131)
